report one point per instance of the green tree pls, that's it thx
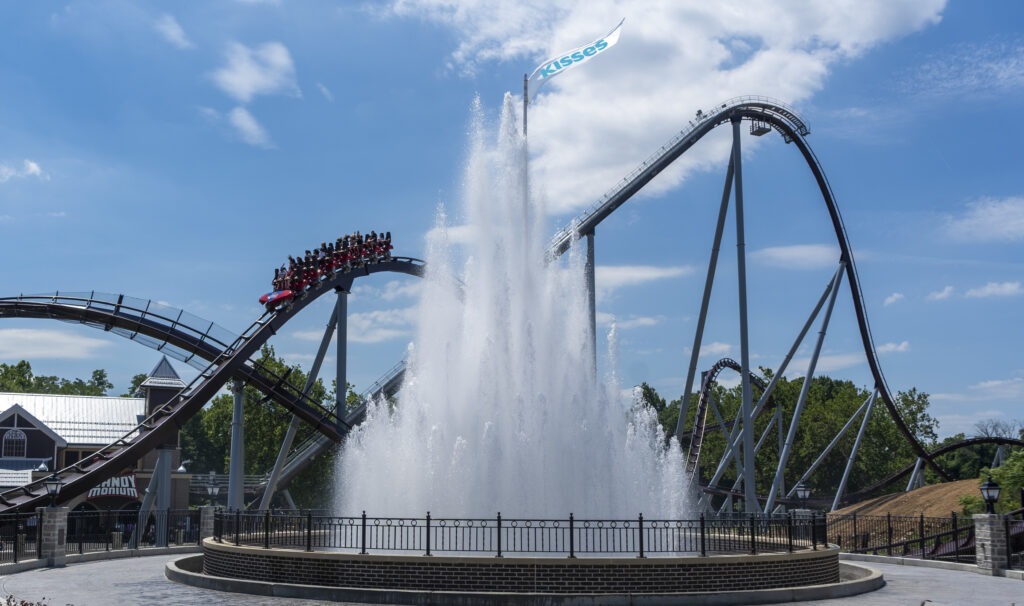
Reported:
(19, 378)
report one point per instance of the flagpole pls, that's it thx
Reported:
(526, 99)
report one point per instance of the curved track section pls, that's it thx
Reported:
(701, 412)
(793, 130)
(161, 426)
(870, 491)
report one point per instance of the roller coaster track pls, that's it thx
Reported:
(771, 113)
(945, 449)
(232, 360)
(701, 413)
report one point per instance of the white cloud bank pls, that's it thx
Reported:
(798, 256)
(941, 295)
(262, 70)
(171, 31)
(893, 298)
(248, 128)
(32, 343)
(995, 289)
(989, 220)
(28, 169)
(673, 58)
(612, 277)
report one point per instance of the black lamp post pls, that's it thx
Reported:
(803, 492)
(213, 490)
(990, 492)
(53, 485)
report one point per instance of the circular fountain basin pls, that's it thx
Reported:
(418, 579)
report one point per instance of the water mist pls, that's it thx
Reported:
(501, 408)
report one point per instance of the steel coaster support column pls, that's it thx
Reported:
(236, 470)
(804, 390)
(293, 427)
(747, 410)
(589, 269)
(705, 301)
(853, 452)
(341, 320)
(721, 424)
(163, 494)
(915, 479)
(734, 438)
(148, 499)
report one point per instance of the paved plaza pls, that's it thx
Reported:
(142, 581)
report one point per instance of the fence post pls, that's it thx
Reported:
(703, 545)
(956, 538)
(363, 551)
(309, 531)
(789, 530)
(109, 531)
(753, 535)
(814, 530)
(920, 531)
(856, 535)
(641, 531)
(18, 541)
(428, 533)
(238, 526)
(266, 530)
(572, 537)
(499, 535)
(888, 540)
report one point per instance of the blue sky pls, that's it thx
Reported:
(179, 151)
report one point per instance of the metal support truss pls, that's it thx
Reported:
(794, 424)
(916, 476)
(841, 491)
(293, 427)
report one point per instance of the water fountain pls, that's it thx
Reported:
(503, 412)
(502, 409)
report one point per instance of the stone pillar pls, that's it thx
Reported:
(990, 543)
(53, 546)
(206, 521)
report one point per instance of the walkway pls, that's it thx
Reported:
(142, 581)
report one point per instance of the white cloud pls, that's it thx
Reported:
(951, 424)
(171, 30)
(940, 295)
(612, 277)
(826, 364)
(798, 256)
(248, 128)
(606, 319)
(326, 92)
(894, 297)
(28, 169)
(989, 220)
(716, 349)
(902, 346)
(57, 214)
(995, 289)
(263, 70)
(673, 58)
(970, 70)
(32, 343)
(394, 289)
(983, 391)
(381, 325)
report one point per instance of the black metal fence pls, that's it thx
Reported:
(1015, 542)
(505, 536)
(90, 531)
(950, 539)
(19, 537)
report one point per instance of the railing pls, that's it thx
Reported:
(1015, 540)
(506, 536)
(950, 539)
(90, 531)
(19, 537)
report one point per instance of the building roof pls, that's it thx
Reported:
(17, 409)
(164, 376)
(81, 420)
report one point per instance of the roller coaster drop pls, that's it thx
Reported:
(221, 356)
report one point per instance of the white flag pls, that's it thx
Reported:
(560, 63)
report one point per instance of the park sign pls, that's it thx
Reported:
(563, 61)
(118, 486)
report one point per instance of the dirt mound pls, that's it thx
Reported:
(936, 500)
